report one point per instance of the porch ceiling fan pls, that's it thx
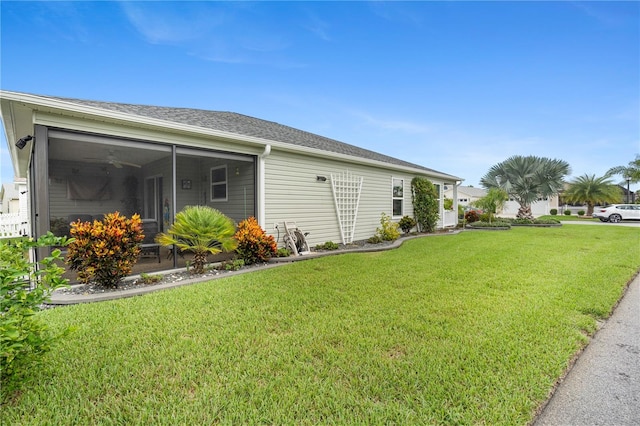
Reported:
(112, 159)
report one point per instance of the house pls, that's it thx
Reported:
(466, 195)
(9, 200)
(14, 214)
(84, 158)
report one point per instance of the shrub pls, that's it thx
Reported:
(494, 224)
(581, 212)
(548, 221)
(149, 279)
(254, 245)
(374, 240)
(522, 221)
(448, 203)
(553, 212)
(406, 224)
(567, 212)
(329, 245)
(424, 197)
(24, 287)
(105, 251)
(283, 252)
(485, 217)
(388, 230)
(202, 231)
(233, 265)
(471, 216)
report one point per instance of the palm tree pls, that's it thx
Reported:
(527, 178)
(492, 202)
(201, 230)
(592, 190)
(630, 173)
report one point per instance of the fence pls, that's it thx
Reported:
(13, 225)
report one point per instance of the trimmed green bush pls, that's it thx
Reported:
(567, 212)
(494, 224)
(406, 224)
(553, 212)
(581, 212)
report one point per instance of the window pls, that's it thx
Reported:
(219, 183)
(398, 196)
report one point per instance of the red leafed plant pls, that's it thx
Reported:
(254, 245)
(105, 251)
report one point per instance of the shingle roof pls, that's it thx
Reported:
(244, 125)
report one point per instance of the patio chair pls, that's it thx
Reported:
(148, 247)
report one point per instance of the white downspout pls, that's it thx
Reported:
(261, 186)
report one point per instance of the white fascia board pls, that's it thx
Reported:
(99, 113)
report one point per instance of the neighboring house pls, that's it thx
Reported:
(542, 207)
(89, 158)
(14, 211)
(468, 194)
(9, 200)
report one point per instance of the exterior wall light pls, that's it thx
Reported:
(23, 141)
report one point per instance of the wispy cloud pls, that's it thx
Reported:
(398, 12)
(223, 32)
(318, 27)
(159, 23)
(391, 124)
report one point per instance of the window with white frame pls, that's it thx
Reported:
(219, 183)
(397, 198)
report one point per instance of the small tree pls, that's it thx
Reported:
(425, 203)
(201, 230)
(105, 251)
(492, 202)
(24, 287)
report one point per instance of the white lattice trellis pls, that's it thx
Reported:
(346, 195)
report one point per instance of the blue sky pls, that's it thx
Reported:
(454, 86)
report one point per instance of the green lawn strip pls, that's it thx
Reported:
(465, 329)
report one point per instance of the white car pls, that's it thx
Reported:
(617, 212)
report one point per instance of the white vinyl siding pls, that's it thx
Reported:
(293, 193)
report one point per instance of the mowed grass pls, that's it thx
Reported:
(472, 328)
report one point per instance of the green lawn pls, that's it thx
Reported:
(472, 328)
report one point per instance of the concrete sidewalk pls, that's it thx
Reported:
(603, 387)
